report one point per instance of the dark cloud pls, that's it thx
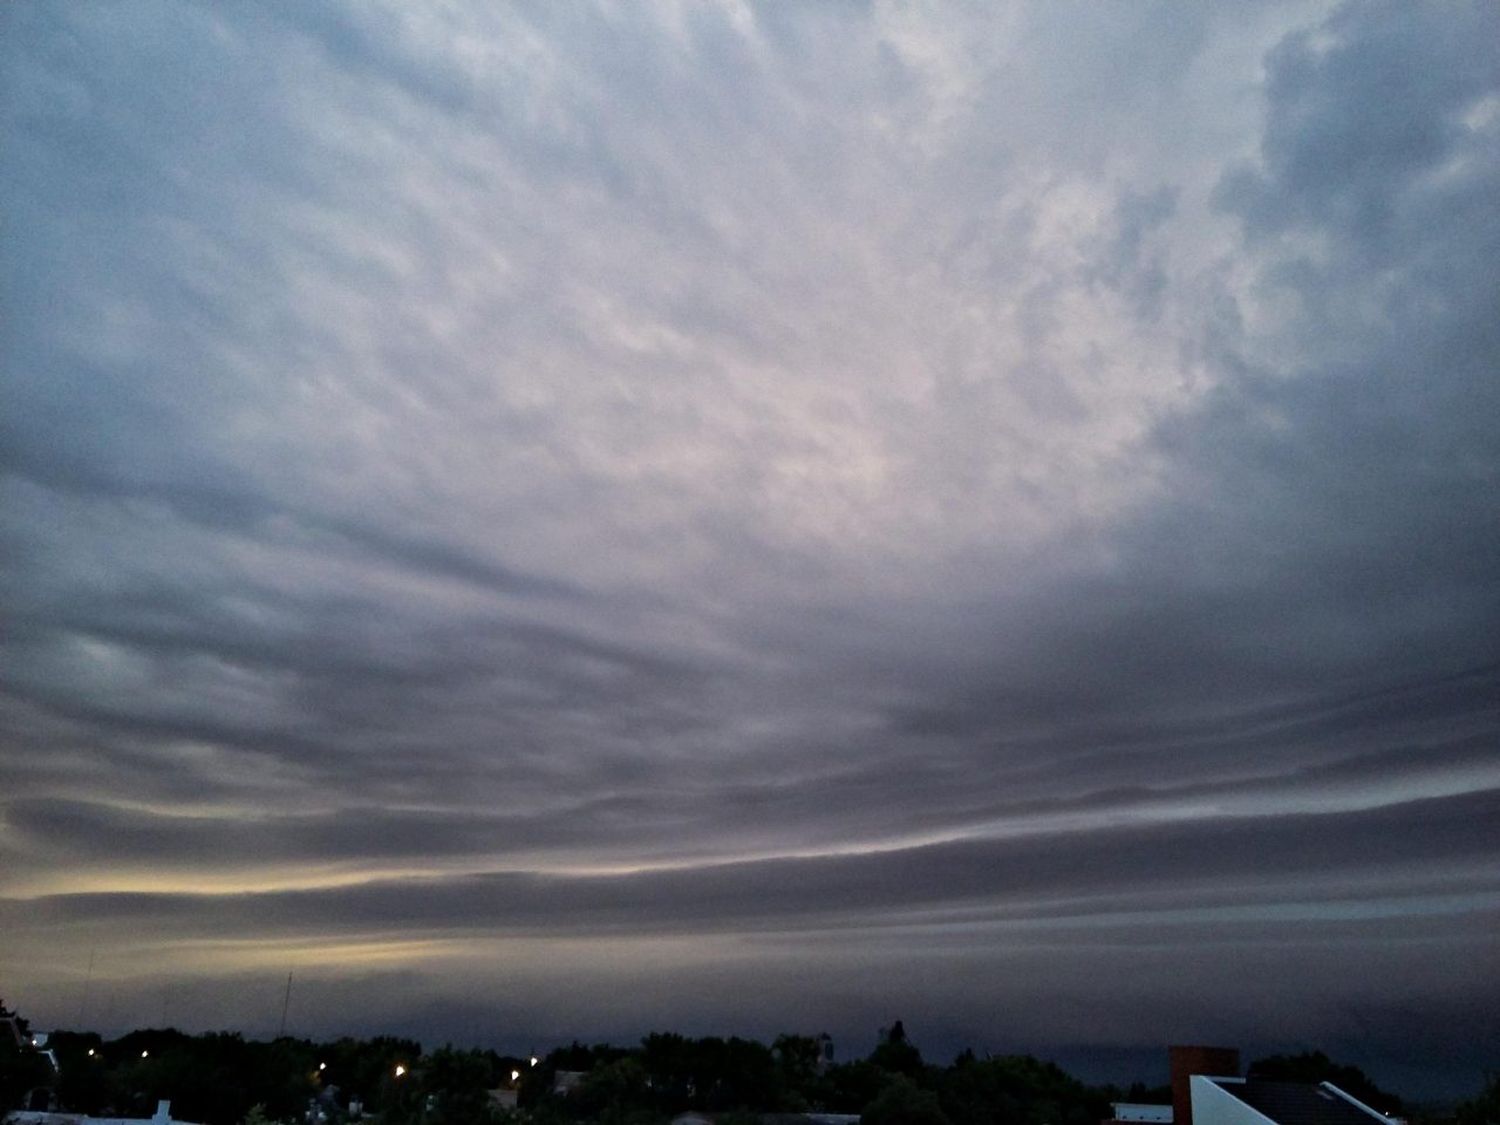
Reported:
(864, 502)
(1117, 863)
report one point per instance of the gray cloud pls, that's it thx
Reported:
(1148, 869)
(823, 475)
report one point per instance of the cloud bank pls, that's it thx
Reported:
(541, 519)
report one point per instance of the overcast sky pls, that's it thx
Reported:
(557, 521)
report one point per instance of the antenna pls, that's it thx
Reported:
(88, 979)
(285, 1003)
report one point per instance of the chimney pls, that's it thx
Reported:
(1220, 1062)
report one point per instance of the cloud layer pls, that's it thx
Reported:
(849, 498)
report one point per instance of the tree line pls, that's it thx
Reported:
(221, 1078)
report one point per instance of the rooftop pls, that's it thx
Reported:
(1300, 1103)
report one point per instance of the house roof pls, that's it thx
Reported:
(1301, 1103)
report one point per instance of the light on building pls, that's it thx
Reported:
(400, 1070)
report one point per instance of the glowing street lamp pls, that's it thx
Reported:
(515, 1076)
(534, 1060)
(322, 1066)
(400, 1070)
(145, 1053)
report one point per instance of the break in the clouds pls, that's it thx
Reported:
(927, 507)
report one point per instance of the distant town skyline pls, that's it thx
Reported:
(571, 520)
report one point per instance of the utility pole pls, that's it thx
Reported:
(83, 1001)
(285, 1003)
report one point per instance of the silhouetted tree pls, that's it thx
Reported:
(852, 1086)
(21, 1070)
(1016, 1090)
(894, 1054)
(797, 1062)
(615, 1093)
(1484, 1108)
(456, 1086)
(903, 1102)
(670, 1061)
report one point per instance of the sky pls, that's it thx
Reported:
(551, 521)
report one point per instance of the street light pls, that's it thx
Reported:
(515, 1076)
(145, 1053)
(534, 1060)
(322, 1066)
(400, 1070)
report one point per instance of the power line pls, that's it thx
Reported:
(88, 979)
(285, 1003)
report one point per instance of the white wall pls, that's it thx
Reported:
(26, 1117)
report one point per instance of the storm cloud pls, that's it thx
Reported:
(921, 509)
